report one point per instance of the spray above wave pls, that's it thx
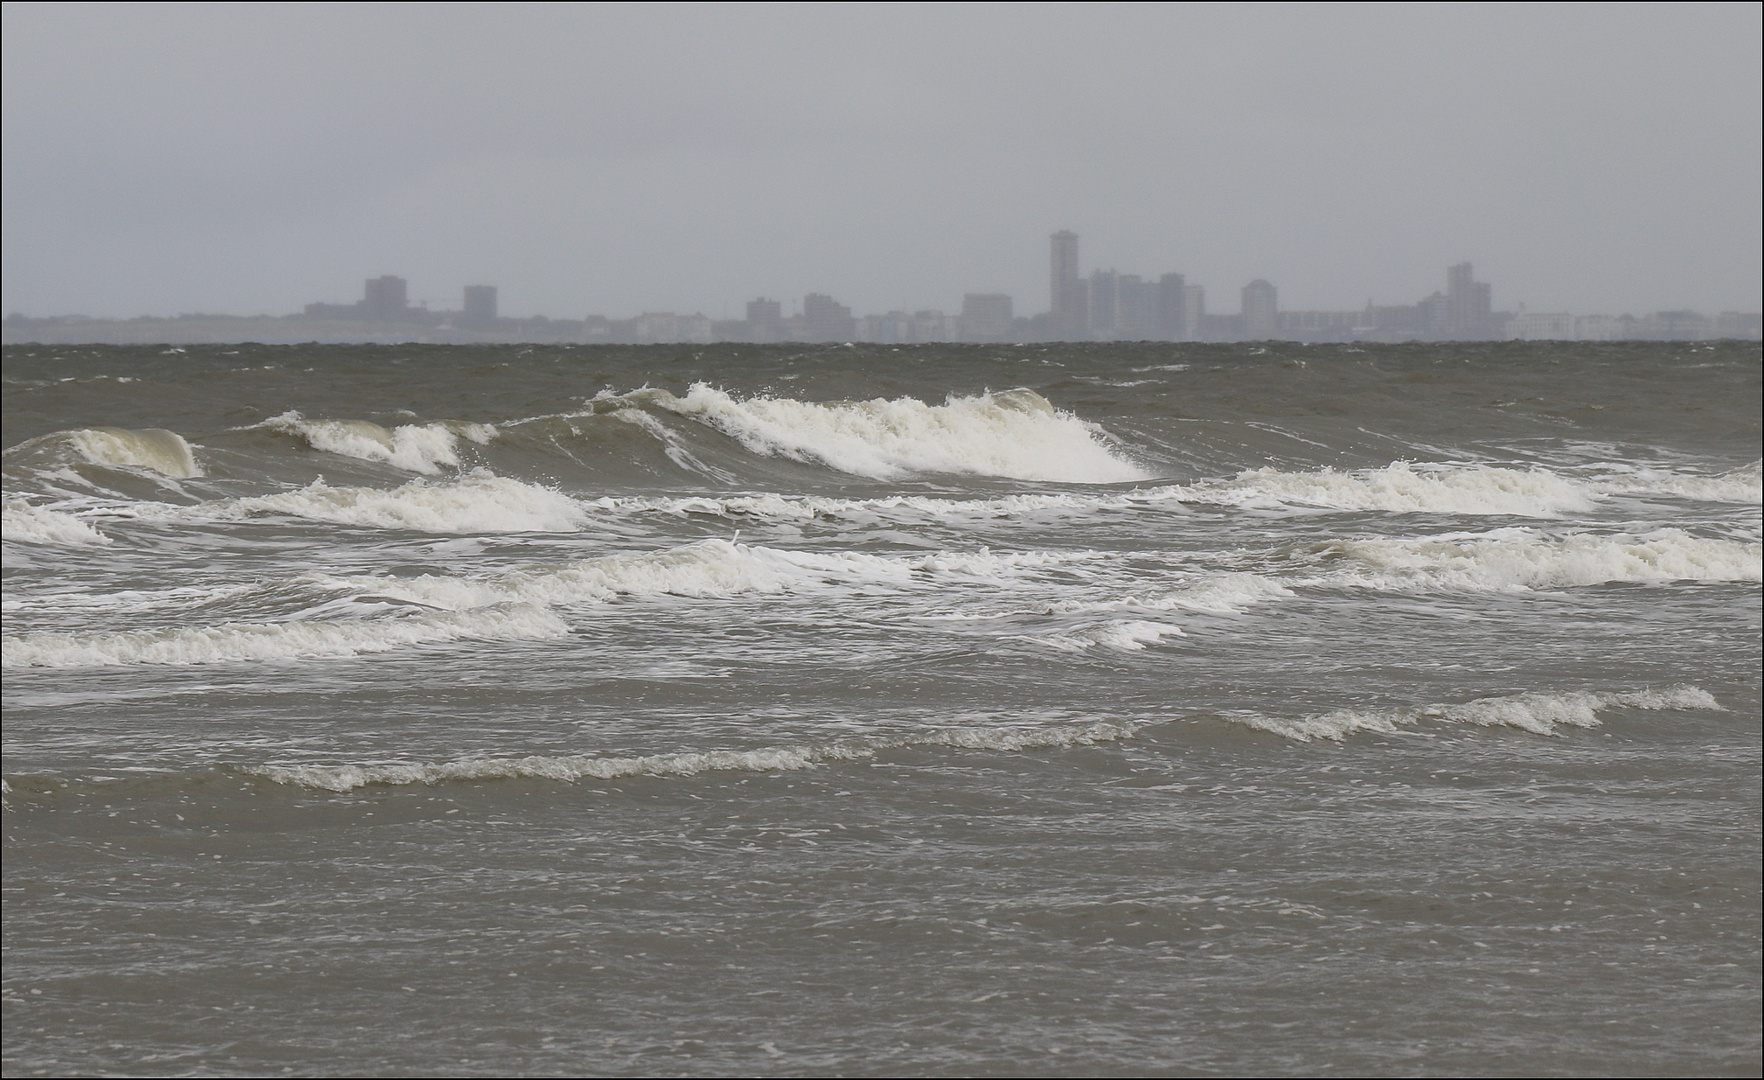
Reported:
(1540, 714)
(423, 448)
(1523, 559)
(309, 639)
(1014, 434)
(342, 778)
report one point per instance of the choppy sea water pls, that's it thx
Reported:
(982, 710)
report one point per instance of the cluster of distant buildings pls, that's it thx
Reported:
(1102, 306)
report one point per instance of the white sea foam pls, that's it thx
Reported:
(1541, 714)
(477, 502)
(1524, 559)
(1122, 635)
(1401, 488)
(28, 524)
(691, 763)
(1744, 485)
(1225, 593)
(239, 641)
(706, 569)
(1221, 594)
(1014, 434)
(424, 448)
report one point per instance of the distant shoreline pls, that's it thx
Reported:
(303, 330)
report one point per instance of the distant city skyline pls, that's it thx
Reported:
(618, 158)
(1105, 305)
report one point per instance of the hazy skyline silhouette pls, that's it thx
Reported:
(168, 159)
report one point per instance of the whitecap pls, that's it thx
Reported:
(424, 448)
(1525, 559)
(243, 641)
(477, 502)
(29, 524)
(1539, 713)
(341, 778)
(1015, 434)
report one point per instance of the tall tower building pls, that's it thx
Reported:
(1136, 308)
(1261, 311)
(1469, 305)
(1172, 326)
(1071, 301)
(1194, 312)
(1104, 303)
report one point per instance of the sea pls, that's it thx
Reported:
(1046, 709)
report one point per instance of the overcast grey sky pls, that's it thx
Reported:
(163, 159)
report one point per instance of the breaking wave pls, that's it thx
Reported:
(705, 569)
(477, 502)
(239, 641)
(1522, 559)
(154, 450)
(1014, 434)
(1743, 485)
(423, 448)
(28, 524)
(342, 778)
(1540, 714)
(1401, 488)
(1121, 635)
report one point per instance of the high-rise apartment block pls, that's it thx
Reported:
(1261, 311)
(385, 299)
(827, 319)
(1104, 303)
(1171, 323)
(479, 309)
(986, 317)
(1469, 305)
(1070, 315)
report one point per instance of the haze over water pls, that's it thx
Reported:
(941, 709)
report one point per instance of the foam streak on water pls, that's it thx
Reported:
(1106, 709)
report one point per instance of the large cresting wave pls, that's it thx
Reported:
(1013, 434)
(153, 450)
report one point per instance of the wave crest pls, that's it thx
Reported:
(1014, 434)
(28, 524)
(1539, 713)
(1402, 488)
(341, 778)
(238, 641)
(1522, 559)
(423, 448)
(477, 502)
(153, 450)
